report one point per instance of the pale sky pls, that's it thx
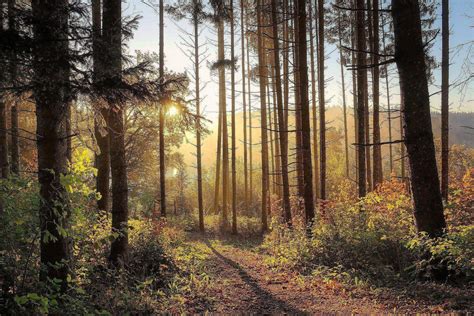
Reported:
(146, 39)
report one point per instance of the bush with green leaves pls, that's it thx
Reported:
(375, 240)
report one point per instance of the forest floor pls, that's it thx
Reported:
(241, 282)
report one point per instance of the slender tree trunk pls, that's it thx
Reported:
(410, 58)
(223, 110)
(377, 152)
(198, 117)
(250, 120)
(344, 107)
(51, 95)
(322, 101)
(297, 98)
(286, 60)
(278, 184)
(402, 136)
(218, 161)
(102, 159)
(5, 168)
(445, 101)
(389, 108)
(162, 118)
(15, 145)
(369, 175)
(281, 121)
(354, 98)
(112, 36)
(263, 114)
(244, 104)
(69, 131)
(361, 92)
(313, 102)
(270, 136)
(233, 158)
(4, 165)
(305, 125)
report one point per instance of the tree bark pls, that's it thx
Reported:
(322, 101)
(313, 101)
(389, 108)
(354, 98)
(369, 175)
(305, 125)
(233, 144)
(218, 161)
(162, 118)
(51, 94)
(198, 116)
(250, 118)
(225, 136)
(4, 164)
(244, 105)
(445, 101)
(112, 37)
(361, 91)
(15, 144)
(281, 121)
(297, 98)
(344, 107)
(102, 159)
(377, 151)
(263, 114)
(410, 58)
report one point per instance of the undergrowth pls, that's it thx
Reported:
(374, 243)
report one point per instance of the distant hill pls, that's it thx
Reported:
(458, 133)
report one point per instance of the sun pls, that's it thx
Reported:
(172, 111)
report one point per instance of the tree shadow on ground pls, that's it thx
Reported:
(267, 303)
(240, 241)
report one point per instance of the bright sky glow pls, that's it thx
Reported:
(146, 39)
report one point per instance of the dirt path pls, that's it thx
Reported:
(244, 284)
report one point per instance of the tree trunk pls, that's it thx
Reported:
(445, 101)
(223, 110)
(278, 183)
(244, 105)
(377, 151)
(322, 102)
(162, 118)
(354, 98)
(15, 146)
(313, 102)
(250, 120)
(102, 159)
(4, 165)
(410, 58)
(112, 36)
(344, 107)
(297, 98)
(389, 108)
(281, 121)
(369, 174)
(51, 95)
(263, 114)
(218, 162)
(361, 91)
(233, 144)
(198, 117)
(305, 125)
(270, 134)
(286, 61)
(402, 145)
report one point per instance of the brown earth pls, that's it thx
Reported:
(243, 284)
